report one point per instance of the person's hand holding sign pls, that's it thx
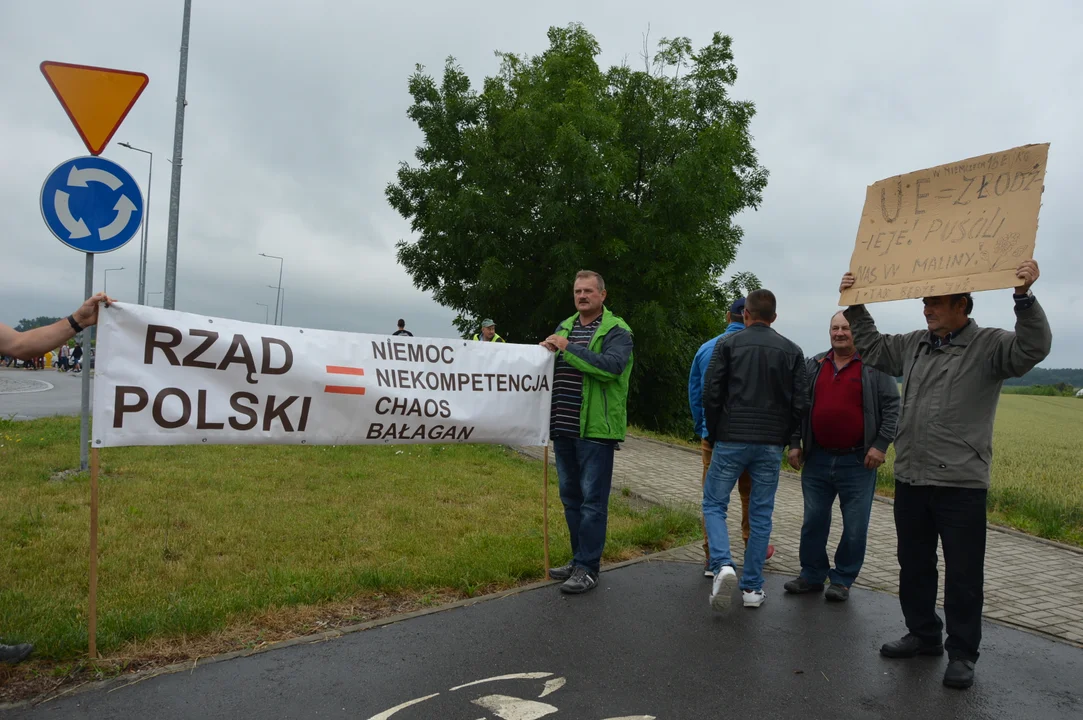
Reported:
(1028, 273)
(847, 282)
(555, 342)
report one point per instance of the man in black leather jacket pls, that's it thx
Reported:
(754, 399)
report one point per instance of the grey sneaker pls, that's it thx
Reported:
(581, 581)
(15, 653)
(561, 573)
(837, 593)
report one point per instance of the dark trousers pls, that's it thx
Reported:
(822, 478)
(585, 470)
(957, 517)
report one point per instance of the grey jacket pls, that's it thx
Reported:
(950, 394)
(879, 400)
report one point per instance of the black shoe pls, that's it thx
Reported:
(800, 586)
(15, 653)
(910, 646)
(837, 593)
(561, 573)
(960, 674)
(581, 581)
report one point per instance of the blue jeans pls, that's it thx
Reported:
(728, 461)
(585, 469)
(823, 477)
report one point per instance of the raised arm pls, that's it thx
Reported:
(34, 343)
(883, 352)
(1016, 353)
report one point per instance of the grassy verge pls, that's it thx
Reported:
(197, 540)
(1037, 455)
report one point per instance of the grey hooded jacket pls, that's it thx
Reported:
(950, 393)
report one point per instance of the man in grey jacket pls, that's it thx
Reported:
(952, 374)
(853, 411)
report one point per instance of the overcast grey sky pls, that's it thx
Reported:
(296, 122)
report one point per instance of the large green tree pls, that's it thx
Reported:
(557, 166)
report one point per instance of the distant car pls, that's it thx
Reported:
(1080, 393)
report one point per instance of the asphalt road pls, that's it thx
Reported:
(644, 644)
(62, 399)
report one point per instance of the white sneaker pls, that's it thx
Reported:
(754, 598)
(722, 588)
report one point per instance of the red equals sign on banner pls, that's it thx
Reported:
(345, 389)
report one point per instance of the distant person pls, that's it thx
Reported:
(77, 358)
(754, 399)
(402, 329)
(488, 332)
(696, 376)
(65, 355)
(853, 411)
(952, 374)
(588, 417)
(29, 345)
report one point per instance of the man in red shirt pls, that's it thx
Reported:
(854, 410)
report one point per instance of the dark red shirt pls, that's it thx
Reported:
(838, 414)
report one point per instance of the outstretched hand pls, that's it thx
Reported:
(87, 314)
(847, 282)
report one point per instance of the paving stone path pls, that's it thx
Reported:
(1029, 583)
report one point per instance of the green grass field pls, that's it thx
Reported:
(194, 539)
(1037, 481)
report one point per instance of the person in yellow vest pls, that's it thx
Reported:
(488, 332)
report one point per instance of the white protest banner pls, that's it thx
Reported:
(953, 228)
(173, 378)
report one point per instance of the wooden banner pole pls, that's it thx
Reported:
(93, 618)
(545, 510)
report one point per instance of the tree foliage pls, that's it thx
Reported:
(29, 324)
(556, 166)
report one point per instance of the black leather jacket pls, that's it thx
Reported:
(756, 389)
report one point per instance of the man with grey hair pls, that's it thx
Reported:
(588, 418)
(952, 374)
(853, 410)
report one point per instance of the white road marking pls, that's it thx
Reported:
(510, 708)
(513, 676)
(388, 713)
(551, 686)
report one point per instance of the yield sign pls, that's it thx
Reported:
(96, 99)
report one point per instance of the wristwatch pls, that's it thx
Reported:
(74, 325)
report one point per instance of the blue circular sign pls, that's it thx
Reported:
(92, 204)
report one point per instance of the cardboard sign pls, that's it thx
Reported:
(954, 228)
(173, 378)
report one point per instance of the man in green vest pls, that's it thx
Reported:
(488, 332)
(588, 418)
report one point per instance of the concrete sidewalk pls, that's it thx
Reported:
(1029, 583)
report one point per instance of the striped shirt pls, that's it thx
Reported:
(568, 385)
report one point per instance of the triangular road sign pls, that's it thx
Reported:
(96, 99)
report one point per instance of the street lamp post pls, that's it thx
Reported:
(146, 227)
(278, 297)
(266, 313)
(282, 294)
(109, 270)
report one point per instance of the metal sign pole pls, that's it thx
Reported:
(84, 421)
